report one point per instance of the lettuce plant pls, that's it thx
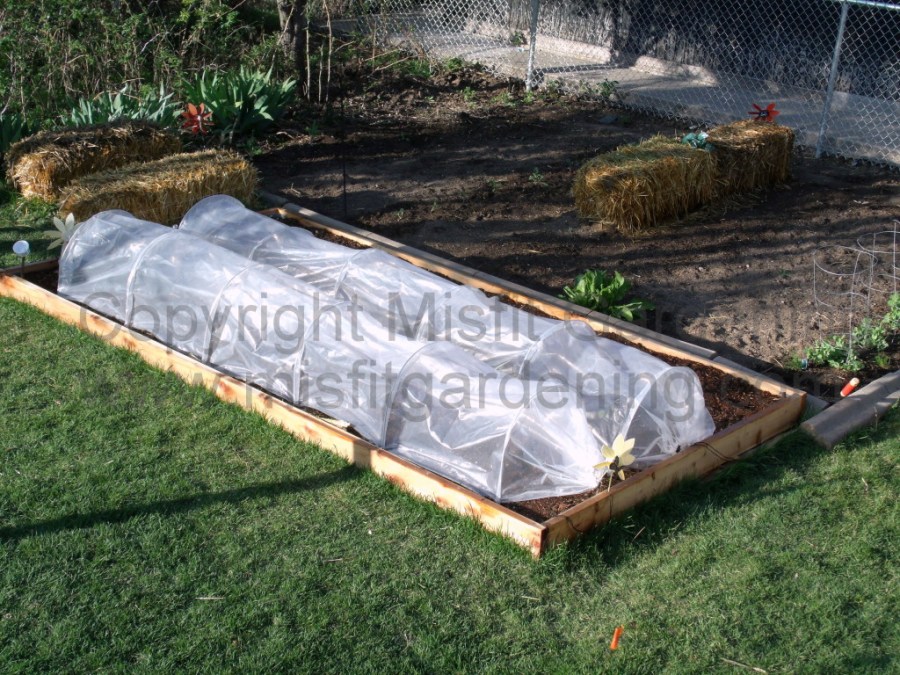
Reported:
(600, 291)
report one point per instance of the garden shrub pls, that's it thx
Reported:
(58, 51)
(243, 102)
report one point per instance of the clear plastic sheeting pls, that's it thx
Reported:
(529, 457)
(429, 401)
(621, 390)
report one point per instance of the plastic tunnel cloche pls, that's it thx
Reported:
(620, 389)
(434, 402)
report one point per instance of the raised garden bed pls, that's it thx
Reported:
(767, 408)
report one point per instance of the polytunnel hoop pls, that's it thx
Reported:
(526, 359)
(214, 309)
(82, 231)
(298, 360)
(252, 253)
(514, 422)
(129, 282)
(339, 282)
(389, 400)
(438, 308)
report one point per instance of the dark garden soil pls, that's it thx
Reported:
(465, 166)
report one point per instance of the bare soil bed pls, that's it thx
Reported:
(464, 165)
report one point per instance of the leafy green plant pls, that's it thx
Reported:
(833, 352)
(870, 335)
(604, 91)
(468, 95)
(13, 127)
(892, 318)
(453, 64)
(552, 90)
(314, 129)
(419, 68)
(506, 99)
(537, 178)
(869, 342)
(600, 291)
(243, 102)
(155, 106)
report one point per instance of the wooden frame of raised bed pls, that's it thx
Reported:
(537, 537)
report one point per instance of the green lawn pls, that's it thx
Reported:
(144, 525)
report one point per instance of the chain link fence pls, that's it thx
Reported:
(831, 66)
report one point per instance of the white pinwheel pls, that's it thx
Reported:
(617, 457)
(63, 232)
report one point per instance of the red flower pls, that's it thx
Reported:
(767, 114)
(196, 120)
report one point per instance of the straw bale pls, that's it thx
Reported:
(163, 190)
(750, 154)
(44, 164)
(638, 186)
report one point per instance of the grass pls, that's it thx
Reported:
(145, 525)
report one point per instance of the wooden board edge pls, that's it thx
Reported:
(38, 266)
(411, 478)
(471, 277)
(696, 461)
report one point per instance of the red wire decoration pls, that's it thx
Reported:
(767, 114)
(196, 120)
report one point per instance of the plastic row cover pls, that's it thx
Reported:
(431, 402)
(622, 390)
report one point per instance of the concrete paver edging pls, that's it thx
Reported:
(861, 408)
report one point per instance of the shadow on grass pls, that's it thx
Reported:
(78, 521)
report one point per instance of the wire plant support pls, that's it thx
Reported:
(852, 284)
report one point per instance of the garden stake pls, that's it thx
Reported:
(616, 635)
(21, 248)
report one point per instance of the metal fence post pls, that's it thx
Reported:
(532, 41)
(832, 78)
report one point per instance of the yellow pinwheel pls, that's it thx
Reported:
(618, 456)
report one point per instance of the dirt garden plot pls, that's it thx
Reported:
(471, 168)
